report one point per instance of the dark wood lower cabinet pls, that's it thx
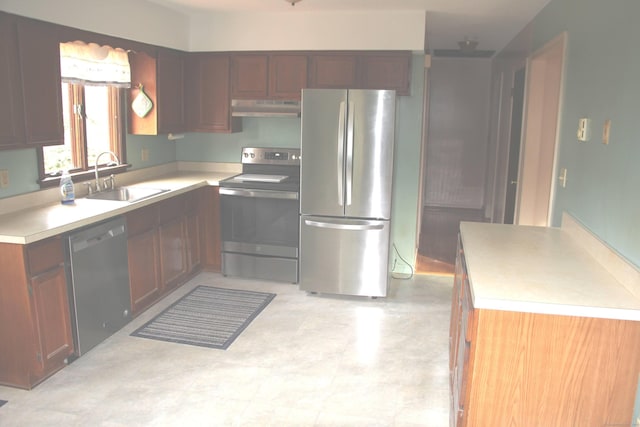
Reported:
(167, 242)
(35, 322)
(50, 304)
(173, 256)
(144, 277)
(170, 241)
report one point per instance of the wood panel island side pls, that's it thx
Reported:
(541, 333)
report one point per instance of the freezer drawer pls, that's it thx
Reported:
(344, 256)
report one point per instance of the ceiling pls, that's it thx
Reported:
(493, 23)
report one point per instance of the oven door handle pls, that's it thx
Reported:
(264, 194)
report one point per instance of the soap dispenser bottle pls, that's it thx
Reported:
(67, 192)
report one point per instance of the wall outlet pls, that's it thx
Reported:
(4, 178)
(144, 155)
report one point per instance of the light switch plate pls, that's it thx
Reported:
(4, 178)
(584, 129)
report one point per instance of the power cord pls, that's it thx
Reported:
(403, 260)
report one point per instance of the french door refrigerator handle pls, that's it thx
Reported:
(340, 157)
(345, 226)
(350, 130)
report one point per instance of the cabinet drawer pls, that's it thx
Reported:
(44, 255)
(142, 220)
(171, 208)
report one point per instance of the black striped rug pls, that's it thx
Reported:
(206, 317)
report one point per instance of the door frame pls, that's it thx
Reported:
(511, 143)
(545, 73)
(423, 154)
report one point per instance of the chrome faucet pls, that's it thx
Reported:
(96, 166)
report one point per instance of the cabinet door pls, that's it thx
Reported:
(287, 76)
(249, 76)
(333, 71)
(144, 276)
(386, 71)
(192, 230)
(208, 94)
(143, 72)
(171, 98)
(193, 241)
(50, 306)
(39, 53)
(172, 235)
(210, 241)
(11, 104)
(173, 262)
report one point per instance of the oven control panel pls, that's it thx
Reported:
(271, 156)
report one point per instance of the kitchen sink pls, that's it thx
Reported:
(126, 194)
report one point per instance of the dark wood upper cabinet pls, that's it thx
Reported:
(209, 95)
(249, 76)
(39, 52)
(171, 80)
(361, 70)
(287, 75)
(333, 71)
(386, 71)
(163, 81)
(30, 93)
(268, 75)
(11, 103)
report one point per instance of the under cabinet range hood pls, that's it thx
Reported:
(264, 108)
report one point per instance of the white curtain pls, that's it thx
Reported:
(92, 64)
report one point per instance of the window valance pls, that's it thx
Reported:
(92, 64)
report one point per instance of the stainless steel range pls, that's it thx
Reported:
(259, 216)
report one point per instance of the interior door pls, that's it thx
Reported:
(517, 103)
(324, 114)
(540, 134)
(369, 153)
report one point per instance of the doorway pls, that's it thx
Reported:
(455, 163)
(536, 184)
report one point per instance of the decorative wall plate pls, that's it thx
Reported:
(142, 104)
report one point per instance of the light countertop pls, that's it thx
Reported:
(37, 223)
(540, 270)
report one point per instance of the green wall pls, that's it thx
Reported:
(601, 82)
(256, 132)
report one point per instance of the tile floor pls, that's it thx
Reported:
(306, 360)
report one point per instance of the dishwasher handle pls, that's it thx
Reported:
(93, 240)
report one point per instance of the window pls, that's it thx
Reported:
(94, 79)
(92, 124)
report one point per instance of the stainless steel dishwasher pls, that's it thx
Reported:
(98, 282)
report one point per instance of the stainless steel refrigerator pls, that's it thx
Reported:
(345, 190)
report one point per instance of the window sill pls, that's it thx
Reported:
(82, 176)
